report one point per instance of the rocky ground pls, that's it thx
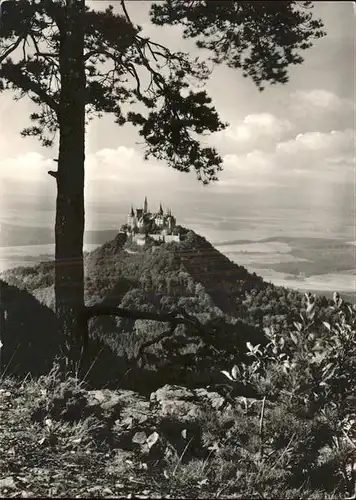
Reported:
(57, 440)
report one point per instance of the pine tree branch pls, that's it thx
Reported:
(24, 82)
(12, 48)
(42, 94)
(46, 55)
(97, 52)
(159, 80)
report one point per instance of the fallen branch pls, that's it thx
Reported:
(155, 340)
(174, 320)
(102, 310)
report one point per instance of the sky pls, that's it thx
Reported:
(290, 146)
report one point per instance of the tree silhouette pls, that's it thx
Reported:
(75, 63)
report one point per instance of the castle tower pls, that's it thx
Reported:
(130, 218)
(160, 209)
(145, 209)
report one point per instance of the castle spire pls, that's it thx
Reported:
(145, 210)
(160, 209)
(132, 211)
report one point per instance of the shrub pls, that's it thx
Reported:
(308, 435)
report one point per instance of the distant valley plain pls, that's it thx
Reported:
(291, 248)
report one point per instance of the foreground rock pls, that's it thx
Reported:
(167, 423)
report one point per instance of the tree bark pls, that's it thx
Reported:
(69, 226)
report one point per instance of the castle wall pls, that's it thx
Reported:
(167, 238)
(156, 237)
(139, 239)
(172, 237)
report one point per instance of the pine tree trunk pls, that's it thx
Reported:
(69, 227)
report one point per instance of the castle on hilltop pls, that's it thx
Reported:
(143, 225)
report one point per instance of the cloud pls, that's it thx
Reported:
(256, 161)
(127, 166)
(260, 151)
(313, 113)
(307, 111)
(264, 150)
(325, 157)
(321, 110)
(260, 130)
(25, 176)
(336, 141)
(320, 100)
(242, 171)
(122, 173)
(124, 165)
(328, 158)
(29, 167)
(250, 170)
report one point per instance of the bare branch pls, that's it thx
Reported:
(125, 12)
(90, 54)
(159, 77)
(39, 53)
(174, 320)
(98, 52)
(12, 48)
(131, 68)
(157, 339)
(102, 310)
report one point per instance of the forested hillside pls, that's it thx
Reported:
(190, 277)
